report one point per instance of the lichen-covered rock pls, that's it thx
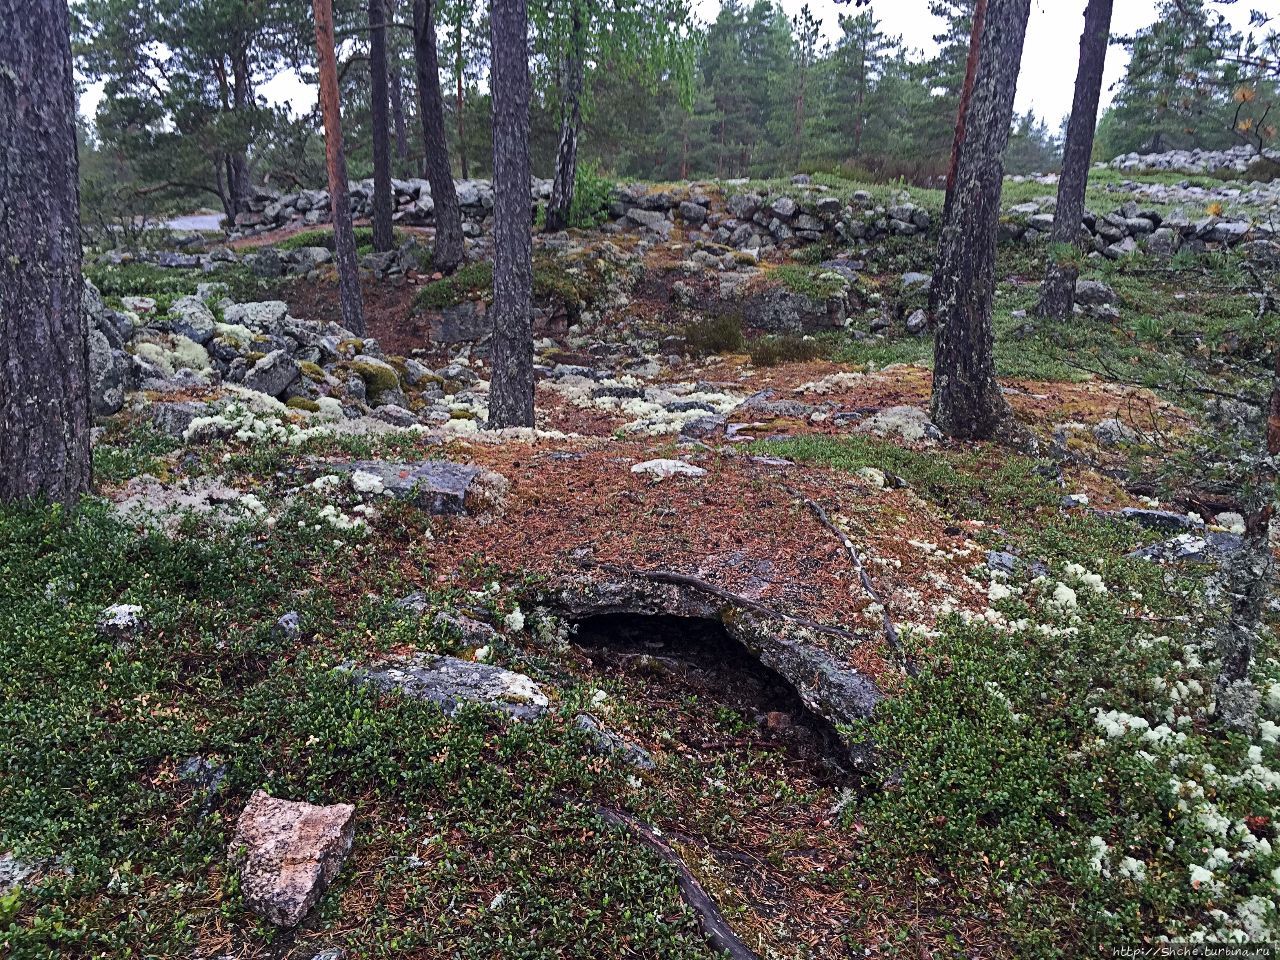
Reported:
(109, 371)
(910, 423)
(661, 469)
(779, 310)
(287, 853)
(273, 374)
(608, 743)
(191, 318)
(264, 315)
(121, 621)
(1094, 293)
(437, 486)
(454, 683)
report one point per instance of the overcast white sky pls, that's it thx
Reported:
(1048, 62)
(1052, 46)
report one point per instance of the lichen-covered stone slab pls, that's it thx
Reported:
(437, 486)
(454, 683)
(288, 852)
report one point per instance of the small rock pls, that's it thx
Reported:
(288, 627)
(13, 872)
(1094, 293)
(1001, 561)
(121, 621)
(454, 683)
(1159, 519)
(661, 469)
(608, 743)
(1113, 432)
(437, 486)
(1073, 501)
(917, 323)
(287, 853)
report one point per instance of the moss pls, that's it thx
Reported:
(323, 237)
(253, 356)
(352, 345)
(551, 282)
(377, 378)
(312, 371)
(462, 413)
(302, 403)
(810, 281)
(469, 280)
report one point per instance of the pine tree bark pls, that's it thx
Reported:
(511, 385)
(967, 401)
(344, 238)
(44, 358)
(459, 100)
(383, 238)
(1058, 292)
(566, 171)
(396, 82)
(1241, 586)
(448, 251)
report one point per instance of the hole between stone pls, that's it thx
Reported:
(670, 658)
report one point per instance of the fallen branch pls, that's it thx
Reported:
(890, 630)
(696, 583)
(710, 919)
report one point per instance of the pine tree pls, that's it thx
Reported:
(511, 384)
(44, 377)
(344, 238)
(449, 251)
(1057, 294)
(380, 100)
(967, 401)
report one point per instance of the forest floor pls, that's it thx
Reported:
(1046, 778)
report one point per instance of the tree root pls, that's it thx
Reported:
(710, 919)
(890, 630)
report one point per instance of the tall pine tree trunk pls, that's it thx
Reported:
(1241, 586)
(44, 358)
(1057, 294)
(448, 251)
(459, 101)
(511, 385)
(396, 82)
(243, 98)
(344, 238)
(567, 154)
(967, 401)
(383, 239)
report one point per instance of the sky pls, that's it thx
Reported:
(1048, 60)
(1052, 47)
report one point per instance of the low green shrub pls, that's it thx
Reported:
(722, 334)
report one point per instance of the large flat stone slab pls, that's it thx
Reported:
(437, 486)
(288, 852)
(454, 683)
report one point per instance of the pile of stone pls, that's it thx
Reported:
(411, 200)
(757, 224)
(1258, 195)
(268, 358)
(1130, 227)
(1238, 159)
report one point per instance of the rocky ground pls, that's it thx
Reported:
(733, 640)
